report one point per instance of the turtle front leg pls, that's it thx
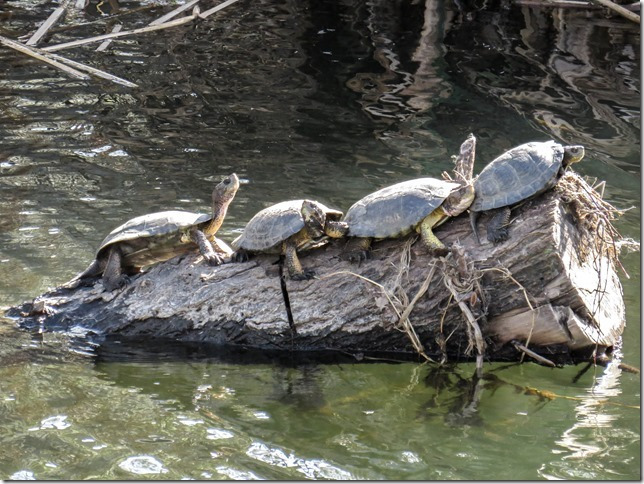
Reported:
(206, 248)
(497, 227)
(430, 240)
(113, 276)
(295, 270)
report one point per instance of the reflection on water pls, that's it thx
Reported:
(330, 100)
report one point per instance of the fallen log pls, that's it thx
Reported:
(551, 292)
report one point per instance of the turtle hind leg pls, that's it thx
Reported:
(433, 243)
(358, 249)
(497, 226)
(293, 264)
(113, 276)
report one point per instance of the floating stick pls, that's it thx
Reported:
(31, 52)
(49, 23)
(98, 38)
(105, 43)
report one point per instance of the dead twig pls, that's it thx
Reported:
(633, 17)
(48, 24)
(36, 55)
(106, 43)
(93, 70)
(173, 13)
(98, 38)
(209, 12)
(532, 354)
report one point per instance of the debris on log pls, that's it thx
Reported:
(551, 293)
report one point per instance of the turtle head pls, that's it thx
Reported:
(225, 191)
(222, 195)
(459, 200)
(314, 218)
(573, 154)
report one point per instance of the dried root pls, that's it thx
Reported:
(594, 216)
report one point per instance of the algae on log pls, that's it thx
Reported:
(552, 287)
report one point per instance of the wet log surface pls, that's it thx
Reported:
(547, 288)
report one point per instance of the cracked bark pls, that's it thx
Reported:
(250, 305)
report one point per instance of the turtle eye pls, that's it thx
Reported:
(226, 181)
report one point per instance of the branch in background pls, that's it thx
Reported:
(173, 13)
(93, 70)
(63, 63)
(619, 9)
(49, 23)
(36, 55)
(124, 33)
(103, 46)
(209, 12)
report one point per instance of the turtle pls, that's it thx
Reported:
(419, 204)
(517, 175)
(159, 236)
(288, 227)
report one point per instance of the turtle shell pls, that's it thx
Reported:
(273, 225)
(154, 237)
(523, 172)
(396, 210)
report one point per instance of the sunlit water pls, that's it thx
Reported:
(328, 100)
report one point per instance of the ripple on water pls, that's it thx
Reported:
(143, 464)
(58, 422)
(311, 468)
(22, 476)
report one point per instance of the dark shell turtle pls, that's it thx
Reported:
(287, 227)
(159, 236)
(420, 204)
(519, 174)
(396, 210)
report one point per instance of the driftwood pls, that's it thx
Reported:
(551, 292)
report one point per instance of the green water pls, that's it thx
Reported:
(329, 100)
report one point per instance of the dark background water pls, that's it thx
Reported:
(329, 100)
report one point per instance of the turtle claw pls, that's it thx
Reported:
(498, 235)
(240, 256)
(439, 251)
(359, 256)
(304, 275)
(122, 281)
(214, 259)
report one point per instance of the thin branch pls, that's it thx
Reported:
(32, 53)
(98, 38)
(209, 12)
(49, 23)
(106, 43)
(532, 354)
(633, 17)
(93, 70)
(173, 13)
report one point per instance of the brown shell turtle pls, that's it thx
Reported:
(159, 236)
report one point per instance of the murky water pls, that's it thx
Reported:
(322, 99)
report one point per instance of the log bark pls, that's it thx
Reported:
(550, 288)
